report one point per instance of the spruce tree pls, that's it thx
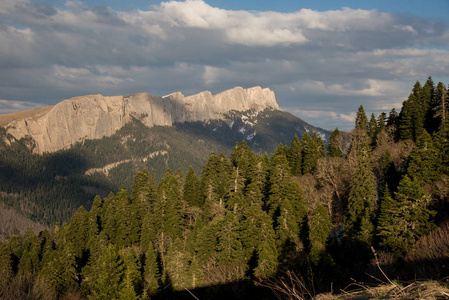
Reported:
(308, 154)
(151, 273)
(106, 275)
(427, 99)
(60, 270)
(243, 161)
(128, 220)
(361, 120)
(334, 148)
(130, 285)
(216, 185)
(267, 255)
(192, 189)
(425, 160)
(95, 216)
(140, 189)
(373, 129)
(393, 118)
(443, 140)
(294, 156)
(405, 122)
(279, 174)
(319, 230)
(404, 218)
(439, 107)
(29, 261)
(289, 219)
(78, 231)
(362, 199)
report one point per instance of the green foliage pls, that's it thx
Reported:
(192, 189)
(320, 228)
(404, 218)
(362, 199)
(246, 217)
(334, 148)
(424, 161)
(105, 277)
(361, 120)
(294, 156)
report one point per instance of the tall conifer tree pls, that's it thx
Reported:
(334, 148)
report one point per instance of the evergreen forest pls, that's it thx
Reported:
(49, 188)
(328, 213)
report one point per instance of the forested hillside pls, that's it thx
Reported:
(49, 188)
(315, 210)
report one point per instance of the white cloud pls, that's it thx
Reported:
(334, 59)
(344, 121)
(10, 106)
(240, 27)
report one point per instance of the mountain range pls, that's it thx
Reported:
(59, 157)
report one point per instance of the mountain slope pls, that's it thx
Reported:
(95, 116)
(49, 187)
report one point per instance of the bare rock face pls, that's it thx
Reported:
(95, 116)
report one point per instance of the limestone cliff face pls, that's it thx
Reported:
(95, 116)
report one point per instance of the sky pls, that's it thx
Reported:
(323, 59)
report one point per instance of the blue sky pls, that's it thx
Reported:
(321, 58)
(429, 8)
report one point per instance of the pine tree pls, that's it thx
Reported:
(362, 199)
(140, 189)
(243, 160)
(334, 148)
(128, 220)
(280, 150)
(443, 140)
(95, 217)
(319, 230)
(279, 174)
(381, 122)
(216, 185)
(424, 161)
(177, 266)
(78, 231)
(393, 118)
(373, 129)
(29, 261)
(404, 218)
(106, 275)
(195, 274)
(439, 107)
(192, 189)
(405, 122)
(427, 99)
(292, 211)
(308, 154)
(229, 246)
(267, 256)
(294, 156)
(414, 115)
(361, 120)
(110, 217)
(60, 270)
(151, 272)
(131, 279)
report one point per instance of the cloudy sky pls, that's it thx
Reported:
(322, 58)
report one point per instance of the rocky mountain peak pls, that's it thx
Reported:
(95, 116)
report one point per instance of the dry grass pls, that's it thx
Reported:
(31, 113)
(292, 286)
(414, 290)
